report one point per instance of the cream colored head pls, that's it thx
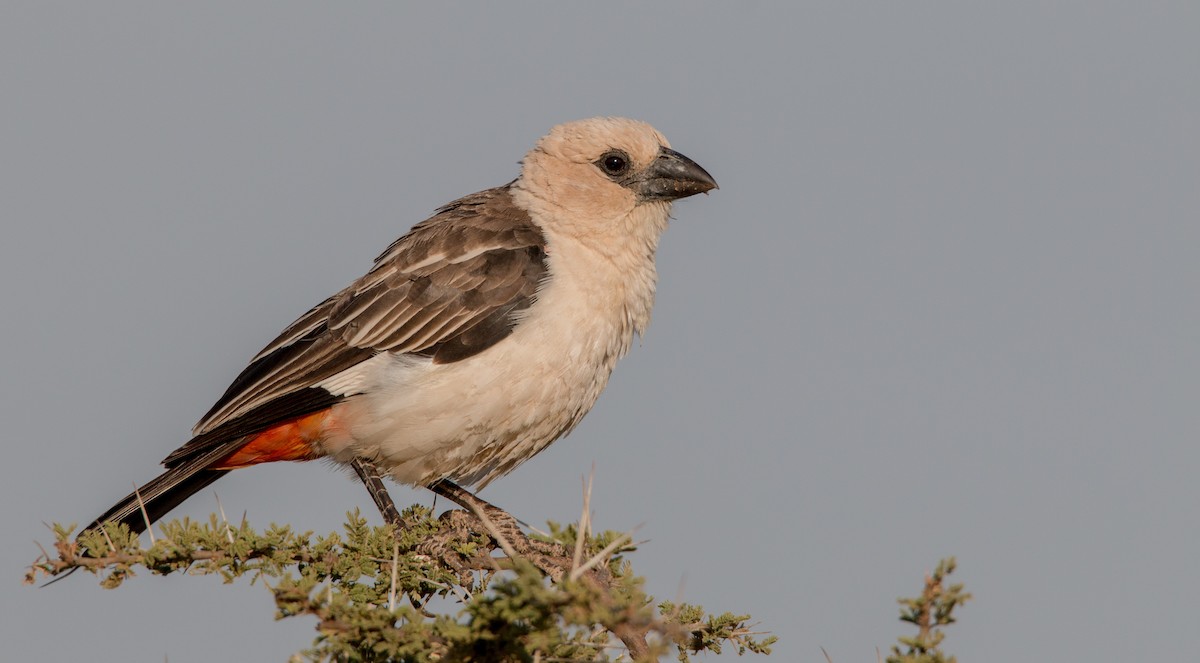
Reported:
(604, 168)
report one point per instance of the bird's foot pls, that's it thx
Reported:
(503, 529)
(481, 517)
(451, 547)
(493, 521)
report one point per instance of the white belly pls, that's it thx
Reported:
(474, 420)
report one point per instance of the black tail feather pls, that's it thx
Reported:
(159, 496)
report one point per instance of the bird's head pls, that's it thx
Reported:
(608, 167)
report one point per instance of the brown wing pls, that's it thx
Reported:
(448, 289)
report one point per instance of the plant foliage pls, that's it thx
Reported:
(437, 589)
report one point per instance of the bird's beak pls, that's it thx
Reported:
(673, 176)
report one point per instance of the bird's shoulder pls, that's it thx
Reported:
(487, 220)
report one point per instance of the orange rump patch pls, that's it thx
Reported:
(296, 439)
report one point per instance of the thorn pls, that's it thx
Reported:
(679, 591)
(600, 556)
(536, 530)
(395, 573)
(145, 516)
(228, 531)
(585, 520)
(494, 531)
(104, 531)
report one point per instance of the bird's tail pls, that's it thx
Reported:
(152, 501)
(209, 456)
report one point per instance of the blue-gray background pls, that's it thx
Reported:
(945, 301)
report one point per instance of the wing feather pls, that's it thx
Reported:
(448, 289)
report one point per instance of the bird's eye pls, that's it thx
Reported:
(614, 163)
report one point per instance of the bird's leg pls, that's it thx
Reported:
(372, 478)
(503, 527)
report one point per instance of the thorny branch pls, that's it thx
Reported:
(456, 555)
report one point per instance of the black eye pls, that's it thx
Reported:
(614, 163)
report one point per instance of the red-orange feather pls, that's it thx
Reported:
(295, 439)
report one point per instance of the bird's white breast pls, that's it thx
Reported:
(476, 419)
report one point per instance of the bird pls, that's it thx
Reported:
(476, 339)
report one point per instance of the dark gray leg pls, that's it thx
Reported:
(372, 479)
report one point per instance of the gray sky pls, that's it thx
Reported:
(943, 304)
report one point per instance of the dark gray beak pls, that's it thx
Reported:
(673, 176)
